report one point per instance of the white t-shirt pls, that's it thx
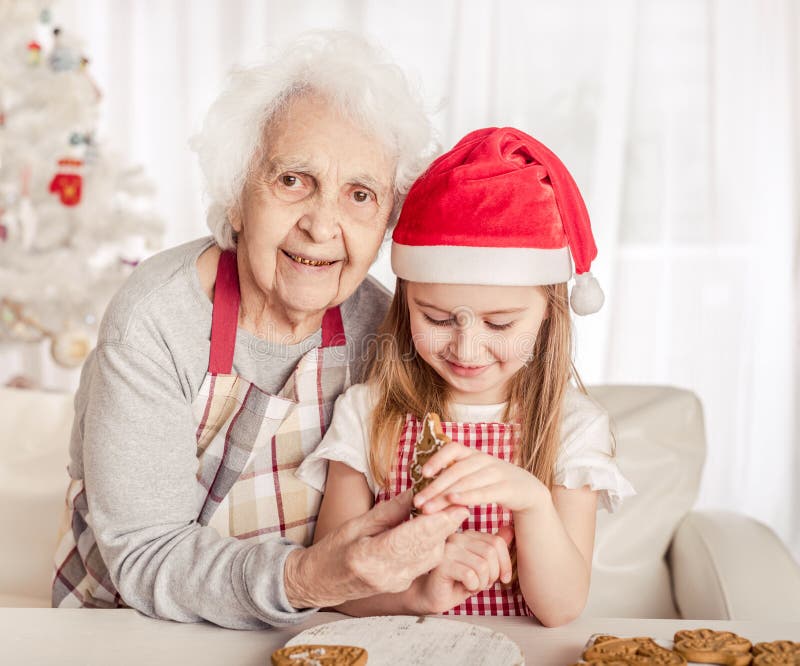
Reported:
(585, 458)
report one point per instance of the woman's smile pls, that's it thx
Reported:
(309, 261)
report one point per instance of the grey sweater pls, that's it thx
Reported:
(133, 444)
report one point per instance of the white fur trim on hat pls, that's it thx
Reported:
(459, 264)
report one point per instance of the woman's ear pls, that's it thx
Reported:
(235, 216)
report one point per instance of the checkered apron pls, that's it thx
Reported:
(248, 445)
(496, 439)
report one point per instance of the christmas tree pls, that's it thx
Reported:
(74, 219)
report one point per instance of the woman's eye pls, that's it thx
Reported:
(499, 327)
(291, 187)
(439, 322)
(361, 196)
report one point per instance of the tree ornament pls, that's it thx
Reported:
(62, 58)
(67, 182)
(18, 324)
(34, 53)
(70, 347)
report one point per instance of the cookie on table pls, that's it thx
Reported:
(630, 660)
(707, 646)
(782, 653)
(320, 655)
(613, 651)
(431, 439)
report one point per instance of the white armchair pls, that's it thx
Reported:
(655, 558)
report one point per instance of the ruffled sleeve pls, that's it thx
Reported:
(586, 457)
(346, 440)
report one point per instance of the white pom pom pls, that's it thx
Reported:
(587, 297)
(70, 347)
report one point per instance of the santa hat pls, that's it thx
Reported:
(498, 209)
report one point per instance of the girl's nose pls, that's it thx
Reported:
(468, 345)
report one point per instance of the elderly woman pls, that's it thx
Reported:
(218, 363)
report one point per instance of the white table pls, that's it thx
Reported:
(34, 636)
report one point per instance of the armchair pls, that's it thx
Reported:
(656, 557)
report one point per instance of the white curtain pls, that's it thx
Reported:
(678, 119)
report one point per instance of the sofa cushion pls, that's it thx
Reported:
(34, 450)
(661, 449)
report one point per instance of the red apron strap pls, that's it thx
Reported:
(333, 328)
(225, 315)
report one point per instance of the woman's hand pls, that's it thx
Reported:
(472, 562)
(472, 477)
(374, 553)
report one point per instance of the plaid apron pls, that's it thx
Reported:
(248, 445)
(496, 439)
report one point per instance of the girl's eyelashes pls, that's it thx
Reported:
(439, 322)
(499, 327)
(451, 321)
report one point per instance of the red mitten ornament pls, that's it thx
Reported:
(68, 181)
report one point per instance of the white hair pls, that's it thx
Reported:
(355, 76)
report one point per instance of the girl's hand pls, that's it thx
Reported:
(475, 478)
(472, 562)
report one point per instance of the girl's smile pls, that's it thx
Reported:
(463, 370)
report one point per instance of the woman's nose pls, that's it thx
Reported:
(321, 221)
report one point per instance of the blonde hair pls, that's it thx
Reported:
(405, 384)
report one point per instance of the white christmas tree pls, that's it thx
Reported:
(73, 218)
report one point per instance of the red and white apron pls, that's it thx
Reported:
(495, 439)
(248, 445)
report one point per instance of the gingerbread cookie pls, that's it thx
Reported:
(320, 655)
(785, 653)
(613, 651)
(706, 646)
(630, 660)
(430, 440)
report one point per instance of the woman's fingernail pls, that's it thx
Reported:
(506, 578)
(426, 471)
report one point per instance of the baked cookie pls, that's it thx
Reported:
(777, 652)
(430, 440)
(631, 660)
(613, 651)
(320, 655)
(706, 646)
(603, 638)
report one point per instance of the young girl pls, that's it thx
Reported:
(479, 332)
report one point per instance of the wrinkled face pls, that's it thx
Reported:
(313, 215)
(475, 337)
